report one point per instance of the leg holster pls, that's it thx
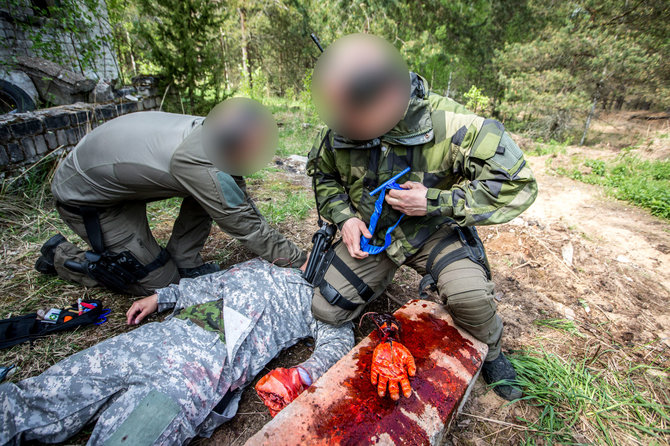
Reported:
(116, 271)
(329, 292)
(472, 248)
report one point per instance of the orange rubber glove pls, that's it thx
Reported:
(279, 387)
(391, 363)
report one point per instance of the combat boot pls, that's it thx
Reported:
(500, 369)
(206, 268)
(45, 263)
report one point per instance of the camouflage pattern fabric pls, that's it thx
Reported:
(208, 316)
(265, 309)
(474, 172)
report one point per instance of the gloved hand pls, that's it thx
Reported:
(279, 387)
(391, 363)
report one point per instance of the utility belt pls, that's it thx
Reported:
(116, 271)
(472, 248)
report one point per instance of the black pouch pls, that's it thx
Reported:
(19, 329)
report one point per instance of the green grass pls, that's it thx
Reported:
(578, 402)
(641, 182)
(560, 324)
(286, 204)
(552, 147)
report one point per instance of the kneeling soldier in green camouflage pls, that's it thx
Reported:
(456, 170)
(168, 382)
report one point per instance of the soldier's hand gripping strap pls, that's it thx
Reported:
(329, 292)
(472, 248)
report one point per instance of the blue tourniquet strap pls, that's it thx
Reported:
(365, 243)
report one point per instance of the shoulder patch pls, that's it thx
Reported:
(230, 190)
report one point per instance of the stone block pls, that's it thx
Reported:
(57, 121)
(27, 128)
(80, 117)
(4, 158)
(73, 135)
(28, 146)
(343, 408)
(127, 107)
(40, 145)
(62, 137)
(15, 153)
(149, 103)
(5, 134)
(51, 140)
(105, 112)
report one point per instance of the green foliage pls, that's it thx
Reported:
(641, 182)
(574, 397)
(183, 39)
(596, 52)
(54, 23)
(560, 324)
(285, 203)
(476, 100)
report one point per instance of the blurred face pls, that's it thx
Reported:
(240, 136)
(361, 87)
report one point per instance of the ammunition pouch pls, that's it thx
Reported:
(472, 248)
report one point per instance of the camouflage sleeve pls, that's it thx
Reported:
(191, 292)
(331, 343)
(497, 184)
(333, 199)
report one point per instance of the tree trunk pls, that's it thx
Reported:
(130, 52)
(224, 56)
(588, 118)
(246, 68)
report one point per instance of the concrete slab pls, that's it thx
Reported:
(342, 407)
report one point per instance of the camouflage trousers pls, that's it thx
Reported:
(463, 287)
(176, 360)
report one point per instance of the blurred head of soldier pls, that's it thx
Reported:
(240, 136)
(361, 86)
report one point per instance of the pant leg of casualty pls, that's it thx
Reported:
(466, 292)
(56, 404)
(181, 361)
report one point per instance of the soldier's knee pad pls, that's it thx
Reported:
(472, 307)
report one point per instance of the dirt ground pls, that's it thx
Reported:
(576, 254)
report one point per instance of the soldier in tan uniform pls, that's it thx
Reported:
(102, 188)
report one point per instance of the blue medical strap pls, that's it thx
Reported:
(381, 190)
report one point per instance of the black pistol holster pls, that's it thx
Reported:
(116, 271)
(322, 257)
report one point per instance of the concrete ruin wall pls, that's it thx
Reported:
(18, 22)
(28, 137)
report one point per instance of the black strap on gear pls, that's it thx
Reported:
(91, 219)
(472, 248)
(114, 270)
(329, 292)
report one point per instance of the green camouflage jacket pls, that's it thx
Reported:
(474, 172)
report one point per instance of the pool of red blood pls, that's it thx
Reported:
(361, 416)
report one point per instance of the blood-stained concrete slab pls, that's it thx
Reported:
(343, 408)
